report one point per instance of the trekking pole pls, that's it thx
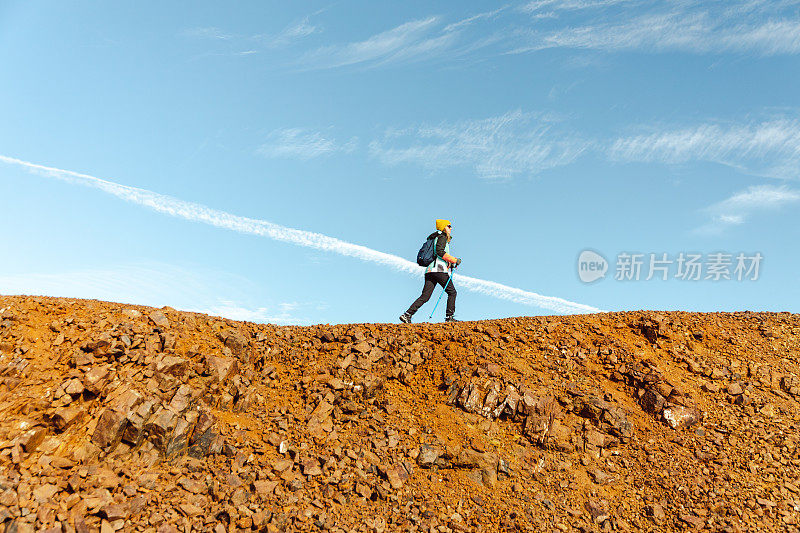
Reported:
(440, 294)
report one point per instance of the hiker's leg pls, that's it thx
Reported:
(442, 278)
(451, 300)
(427, 290)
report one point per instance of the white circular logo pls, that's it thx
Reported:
(591, 266)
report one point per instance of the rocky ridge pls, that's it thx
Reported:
(126, 418)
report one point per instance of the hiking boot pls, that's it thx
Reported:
(450, 319)
(405, 318)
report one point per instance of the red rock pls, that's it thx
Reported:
(656, 511)
(182, 398)
(396, 475)
(735, 389)
(221, 368)
(97, 499)
(65, 417)
(678, 416)
(106, 478)
(234, 341)
(362, 347)
(44, 493)
(264, 487)
(96, 379)
(109, 429)
(694, 521)
(114, 511)
(159, 319)
(62, 462)
(74, 387)
(282, 465)
(171, 365)
(192, 485)
(190, 510)
(31, 439)
(311, 467)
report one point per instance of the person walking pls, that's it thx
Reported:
(438, 272)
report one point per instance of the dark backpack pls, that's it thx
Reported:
(427, 253)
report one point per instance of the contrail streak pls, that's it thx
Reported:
(200, 213)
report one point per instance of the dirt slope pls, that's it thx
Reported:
(116, 417)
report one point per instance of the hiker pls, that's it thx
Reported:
(439, 271)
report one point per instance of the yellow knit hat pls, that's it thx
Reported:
(441, 224)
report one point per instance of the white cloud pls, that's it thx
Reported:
(289, 35)
(207, 33)
(736, 210)
(569, 5)
(686, 27)
(382, 46)
(768, 148)
(297, 31)
(650, 32)
(473, 19)
(302, 144)
(495, 148)
(202, 214)
(243, 45)
(737, 26)
(416, 40)
(759, 197)
(731, 220)
(524, 143)
(262, 315)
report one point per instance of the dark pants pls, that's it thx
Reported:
(431, 279)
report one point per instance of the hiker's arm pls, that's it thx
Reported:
(449, 258)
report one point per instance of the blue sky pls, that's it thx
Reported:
(282, 162)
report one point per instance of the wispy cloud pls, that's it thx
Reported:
(399, 41)
(520, 143)
(736, 210)
(768, 148)
(760, 28)
(472, 19)
(245, 44)
(157, 285)
(199, 213)
(262, 315)
(537, 6)
(289, 35)
(416, 40)
(207, 33)
(495, 148)
(298, 143)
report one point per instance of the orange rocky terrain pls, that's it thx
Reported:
(120, 418)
